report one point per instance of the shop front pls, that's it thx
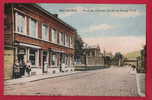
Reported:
(43, 60)
(27, 52)
(54, 61)
(60, 61)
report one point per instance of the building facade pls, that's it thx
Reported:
(94, 57)
(33, 34)
(91, 59)
(107, 58)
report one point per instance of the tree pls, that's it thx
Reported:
(118, 58)
(78, 47)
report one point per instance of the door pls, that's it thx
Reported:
(61, 61)
(21, 58)
(44, 60)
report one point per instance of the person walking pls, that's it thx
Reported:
(132, 67)
(28, 68)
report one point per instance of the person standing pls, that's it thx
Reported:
(28, 68)
(132, 67)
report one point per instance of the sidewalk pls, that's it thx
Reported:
(140, 78)
(36, 78)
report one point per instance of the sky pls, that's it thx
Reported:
(114, 27)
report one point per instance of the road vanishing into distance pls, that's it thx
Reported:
(113, 81)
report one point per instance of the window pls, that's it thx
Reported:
(63, 59)
(45, 56)
(66, 40)
(66, 60)
(53, 33)
(33, 28)
(54, 60)
(45, 32)
(71, 41)
(93, 53)
(54, 36)
(20, 23)
(33, 57)
(62, 39)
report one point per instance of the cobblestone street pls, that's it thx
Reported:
(114, 81)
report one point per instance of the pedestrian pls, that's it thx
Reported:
(132, 67)
(28, 68)
(16, 68)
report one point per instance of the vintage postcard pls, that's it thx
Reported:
(59, 49)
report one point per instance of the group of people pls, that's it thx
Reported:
(20, 68)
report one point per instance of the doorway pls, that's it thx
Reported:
(44, 61)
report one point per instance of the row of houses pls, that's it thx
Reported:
(48, 43)
(33, 34)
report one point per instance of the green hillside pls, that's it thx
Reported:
(133, 54)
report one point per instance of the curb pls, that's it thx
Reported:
(53, 76)
(43, 78)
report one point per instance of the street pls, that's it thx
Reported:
(113, 81)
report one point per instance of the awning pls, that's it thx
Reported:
(29, 45)
(55, 50)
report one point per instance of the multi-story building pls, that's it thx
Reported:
(34, 34)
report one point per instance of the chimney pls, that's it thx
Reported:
(56, 15)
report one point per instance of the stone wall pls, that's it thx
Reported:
(95, 61)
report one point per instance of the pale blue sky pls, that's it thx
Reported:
(123, 21)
